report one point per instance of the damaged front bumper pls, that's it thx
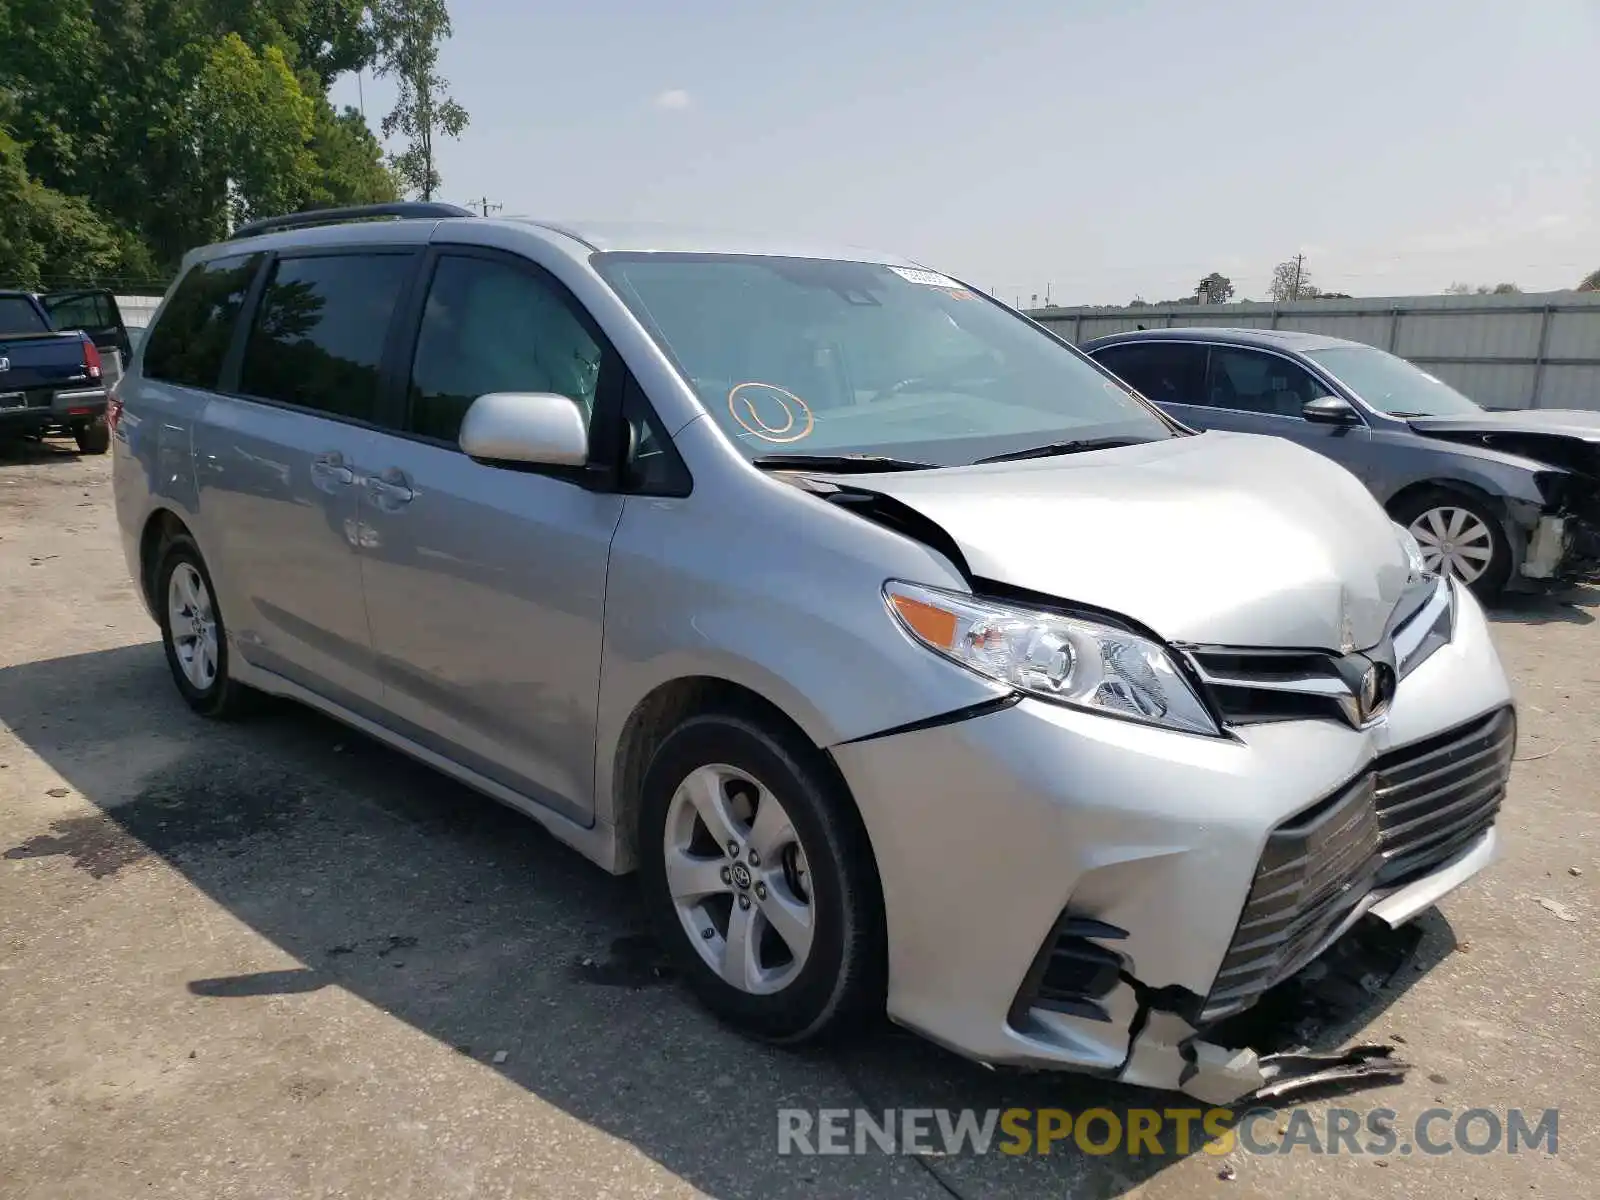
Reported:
(1073, 892)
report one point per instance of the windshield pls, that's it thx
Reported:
(1392, 385)
(825, 357)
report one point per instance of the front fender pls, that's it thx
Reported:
(754, 582)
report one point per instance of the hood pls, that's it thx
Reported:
(1578, 423)
(1220, 538)
(1567, 438)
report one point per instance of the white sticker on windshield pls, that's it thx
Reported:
(927, 278)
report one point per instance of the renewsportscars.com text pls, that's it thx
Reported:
(1375, 1132)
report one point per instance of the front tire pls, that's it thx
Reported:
(756, 871)
(192, 632)
(1461, 536)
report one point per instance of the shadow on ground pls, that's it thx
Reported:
(470, 923)
(21, 451)
(1573, 606)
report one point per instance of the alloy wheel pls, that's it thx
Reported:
(1454, 541)
(193, 624)
(739, 879)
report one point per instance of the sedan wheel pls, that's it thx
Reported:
(1454, 541)
(739, 879)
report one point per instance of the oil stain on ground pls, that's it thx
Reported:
(198, 804)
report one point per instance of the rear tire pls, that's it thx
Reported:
(93, 437)
(1455, 530)
(193, 633)
(787, 943)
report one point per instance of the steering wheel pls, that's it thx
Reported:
(950, 374)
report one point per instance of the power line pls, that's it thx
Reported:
(482, 203)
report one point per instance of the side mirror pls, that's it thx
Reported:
(526, 427)
(1330, 410)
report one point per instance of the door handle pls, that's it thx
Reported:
(330, 468)
(390, 488)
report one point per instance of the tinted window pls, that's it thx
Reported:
(192, 336)
(318, 335)
(17, 315)
(493, 327)
(89, 310)
(1252, 381)
(1169, 372)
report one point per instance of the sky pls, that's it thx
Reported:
(1095, 150)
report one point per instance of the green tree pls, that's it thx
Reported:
(409, 33)
(47, 238)
(171, 117)
(1215, 288)
(349, 161)
(1590, 282)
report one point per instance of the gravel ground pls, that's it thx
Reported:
(275, 960)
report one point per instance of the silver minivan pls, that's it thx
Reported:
(911, 660)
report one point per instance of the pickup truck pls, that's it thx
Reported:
(55, 381)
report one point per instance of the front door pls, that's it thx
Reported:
(279, 462)
(1254, 391)
(486, 585)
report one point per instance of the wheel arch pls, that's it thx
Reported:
(661, 711)
(160, 527)
(1461, 487)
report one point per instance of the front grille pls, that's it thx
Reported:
(1250, 686)
(1434, 797)
(1410, 811)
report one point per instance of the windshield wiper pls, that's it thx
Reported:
(1051, 449)
(839, 463)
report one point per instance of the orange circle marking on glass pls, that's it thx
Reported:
(795, 412)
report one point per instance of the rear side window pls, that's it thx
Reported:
(18, 315)
(318, 335)
(86, 310)
(1168, 372)
(195, 329)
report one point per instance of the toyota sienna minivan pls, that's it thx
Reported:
(911, 660)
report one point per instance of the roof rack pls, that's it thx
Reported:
(355, 212)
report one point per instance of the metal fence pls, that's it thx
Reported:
(1523, 351)
(137, 310)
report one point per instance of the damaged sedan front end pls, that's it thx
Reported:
(1560, 453)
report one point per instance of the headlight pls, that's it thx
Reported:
(1408, 543)
(1081, 663)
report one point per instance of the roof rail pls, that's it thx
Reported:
(355, 212)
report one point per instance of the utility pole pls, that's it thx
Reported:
(482, 203)
(1299, 262)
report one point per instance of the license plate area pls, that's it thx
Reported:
(13, 400)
